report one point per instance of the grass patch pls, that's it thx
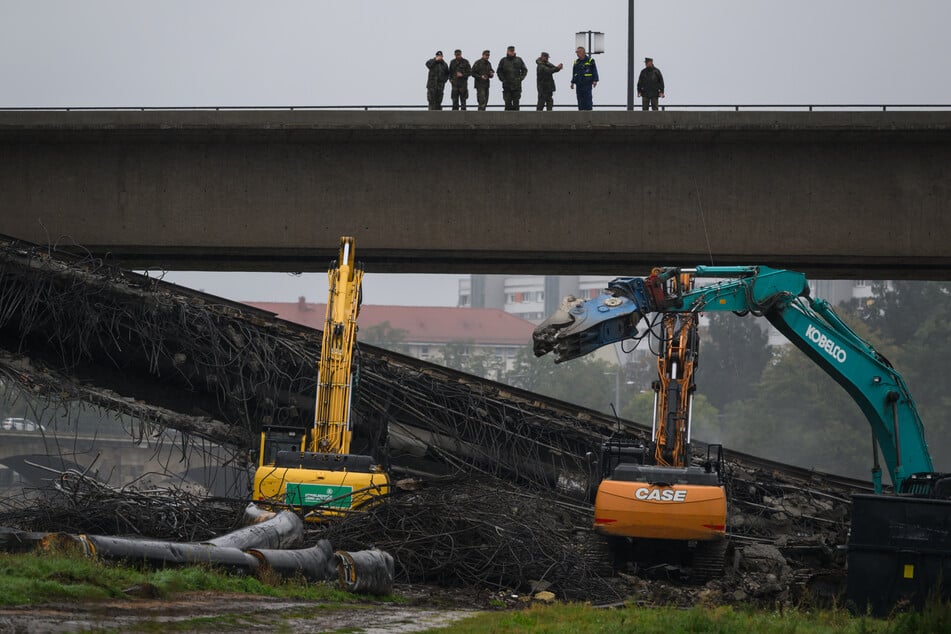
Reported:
(583, 619)
(34, 578)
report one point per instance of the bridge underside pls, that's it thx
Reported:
(835, 194)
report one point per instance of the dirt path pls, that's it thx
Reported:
(216, 612)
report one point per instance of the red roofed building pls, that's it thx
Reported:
(422, 331)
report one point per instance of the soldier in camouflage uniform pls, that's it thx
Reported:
(482, 72)
(436, 82)
(650, 85)
(459, 70)
(545, 81)
(511, 71)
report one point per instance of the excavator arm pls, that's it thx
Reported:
(332, 431)
(674, 389)
(782, 297)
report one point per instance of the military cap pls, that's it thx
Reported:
(486, 52)
(438, 53)
(457, 51)
(511, 48)
(544, 54)
(648, 59)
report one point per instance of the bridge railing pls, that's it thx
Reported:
(807, 107)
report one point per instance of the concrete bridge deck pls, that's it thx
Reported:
(835, 194)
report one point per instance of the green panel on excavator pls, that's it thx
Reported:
(327, 495)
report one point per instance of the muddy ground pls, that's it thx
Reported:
(423, 608)
(762, 578)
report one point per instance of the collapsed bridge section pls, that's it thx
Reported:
(500, 473)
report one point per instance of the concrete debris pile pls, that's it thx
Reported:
(74, 502)
(482, 532)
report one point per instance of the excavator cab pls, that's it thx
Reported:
(312, 470)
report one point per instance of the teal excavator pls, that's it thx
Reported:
(899, 545)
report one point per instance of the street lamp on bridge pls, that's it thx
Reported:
(592, 41)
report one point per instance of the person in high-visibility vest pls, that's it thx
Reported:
(584, 77)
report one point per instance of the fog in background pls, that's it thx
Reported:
(321, 53)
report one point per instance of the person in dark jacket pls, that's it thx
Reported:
(584, 77)
(511, 70)
(650, 85)
(545, 81)
(459, 70)
(482, 72)
(436, 83)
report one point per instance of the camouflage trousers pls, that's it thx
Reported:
(458, 95)
(511, 98)
(545, 100)
(434, 97)
(482, 95)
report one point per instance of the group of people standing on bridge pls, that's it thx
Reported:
(511, 71)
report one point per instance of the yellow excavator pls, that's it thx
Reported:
(312, 470)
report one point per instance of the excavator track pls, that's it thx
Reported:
(708, 560)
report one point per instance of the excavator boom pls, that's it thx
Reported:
(334, 374)
(674, 389)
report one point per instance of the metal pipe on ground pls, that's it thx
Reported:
(365, 571)
(360, 572)
(17, 541)
(158, 553)
(283, 530)
(316, 563)
(254, 514)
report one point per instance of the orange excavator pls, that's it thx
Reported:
(898, 544)
(655, 506)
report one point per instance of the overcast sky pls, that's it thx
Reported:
(322, 53)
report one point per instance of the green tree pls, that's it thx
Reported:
(733, 355)
(800, 415)
(587, 381)
(923, 360)
(897, 309)
(704, 422)
(914, 318)
(465, 356)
